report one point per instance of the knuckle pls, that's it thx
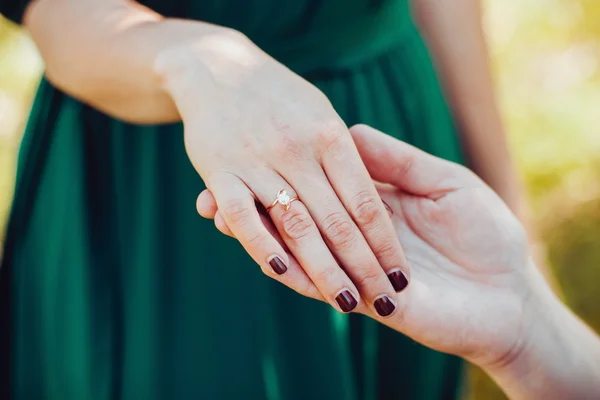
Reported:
(253, 239)
(386, 251)
(366, 277)
(290, 148)
(339, 231)
(310, 290)
(332, 137)
(327, 275)
(237, 211)
(366, 209)
(297, 225)
(305, 287)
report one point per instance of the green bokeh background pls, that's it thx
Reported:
(546, 58)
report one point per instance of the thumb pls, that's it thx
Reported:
(392, 161)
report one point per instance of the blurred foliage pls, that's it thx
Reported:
(546, 56)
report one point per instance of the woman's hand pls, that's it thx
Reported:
(473, 291)
(470, 275)
(252, 128)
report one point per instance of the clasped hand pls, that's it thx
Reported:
(253, 128)
(470, 275)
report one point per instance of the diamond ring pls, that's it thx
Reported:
(284, 199)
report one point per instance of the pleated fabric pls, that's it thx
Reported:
(119, 290)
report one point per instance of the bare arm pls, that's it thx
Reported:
(560, 356)
(251, 128)
(454, 33)
(103, 52)
(498, 312)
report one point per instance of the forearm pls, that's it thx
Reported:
(103, 52)
(560, 358)
(454, 34)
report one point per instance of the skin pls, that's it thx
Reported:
(474, 291)
(461, 57)
(137, 66)
(148, 69)
(276, 131)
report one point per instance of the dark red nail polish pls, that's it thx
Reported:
(398, 280)
(384, 306)
(278, 266)
(346, 301)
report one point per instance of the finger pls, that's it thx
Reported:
(209, 207)
(222, 225)
(236, 206)
(206, 204)
(301, 281)
(303, 239)
(392, 161)
(295, 278)
(303, 285)
(345, 240)
(356, 190)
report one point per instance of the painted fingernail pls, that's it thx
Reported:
(384, 306)
(388, 208)
(278, 265)
(398, 280)
(346, 300)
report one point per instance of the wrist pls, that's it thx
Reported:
(523, 369)
(215, 60)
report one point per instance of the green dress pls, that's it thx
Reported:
(115, 288)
